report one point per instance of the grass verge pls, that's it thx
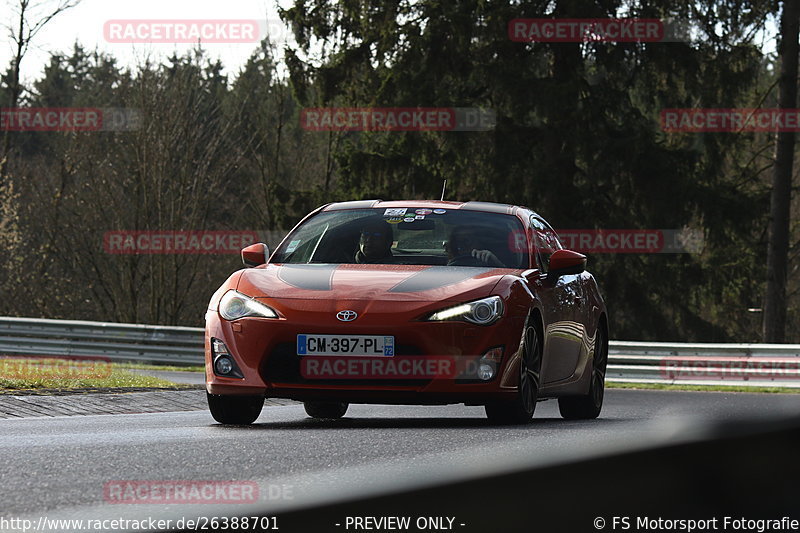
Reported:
(702, 388)
(18, 373)
(169, 368)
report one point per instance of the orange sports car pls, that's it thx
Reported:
(409, 302)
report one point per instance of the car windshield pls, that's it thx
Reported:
(407, 236)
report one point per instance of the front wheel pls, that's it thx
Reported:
(235, 410)
(588, 406)
(326, 409)
(520, 409)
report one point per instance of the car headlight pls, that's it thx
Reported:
(482, 312)
(234, 305)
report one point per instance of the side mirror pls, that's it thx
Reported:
(255, 255)
(567, 262)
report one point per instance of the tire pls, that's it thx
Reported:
(326, 409)
(520, 409)
(235, 410)
(588, 406)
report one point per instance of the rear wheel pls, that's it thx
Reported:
(589, 406)
(326, 409)
(236, 410)
(520, 409)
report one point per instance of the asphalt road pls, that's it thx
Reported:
(63, 463)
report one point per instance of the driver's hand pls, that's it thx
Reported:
(487, 257)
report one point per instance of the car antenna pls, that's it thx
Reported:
(444, 186)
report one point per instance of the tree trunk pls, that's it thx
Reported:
(774, 327)
(14, 90)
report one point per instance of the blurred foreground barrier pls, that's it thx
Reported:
(770, 365)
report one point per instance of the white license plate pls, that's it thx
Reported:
(364, 345)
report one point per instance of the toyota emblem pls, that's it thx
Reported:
(347, 315)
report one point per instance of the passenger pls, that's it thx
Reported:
(375, 244)
(463, 249)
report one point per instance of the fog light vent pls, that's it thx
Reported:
(224, 364)
(485, 371)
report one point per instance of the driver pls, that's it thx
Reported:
(375, 243)
(463, 249)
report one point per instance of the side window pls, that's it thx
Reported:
(552, 236)
(546, 242)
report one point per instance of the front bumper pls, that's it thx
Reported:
(265, 352)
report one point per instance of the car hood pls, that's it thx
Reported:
(369, 282)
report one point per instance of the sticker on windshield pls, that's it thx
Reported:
(423, 212)
(394, 220)
(420, 217)
(292, 246)
(395, 211)
(408, 219)
(439, 211)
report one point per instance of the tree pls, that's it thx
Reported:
(774, 326)
(28, 20)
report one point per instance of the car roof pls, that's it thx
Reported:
(488, 207)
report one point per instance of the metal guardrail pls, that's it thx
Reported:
(120, 342)
(754, 365)
(769, 365)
